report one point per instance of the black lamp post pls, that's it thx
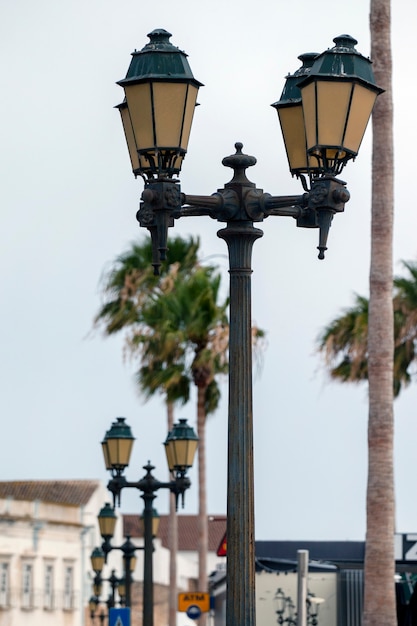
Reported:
(99, 557)
(116, 583)
(180, 447)
(287, 614)
(324, 111)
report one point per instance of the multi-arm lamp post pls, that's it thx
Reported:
(287, 614)
(180, 447)
(323, 111)
(107, 522)
(116, 583)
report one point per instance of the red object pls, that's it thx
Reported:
(222, 549)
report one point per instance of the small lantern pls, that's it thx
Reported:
(161, 94)
(121, 588)
(291, 118)
(97, 559)
(338, 96)
(180, 446)
(155, 523)
(117, 445)
(280, 601)
(107, 521)
(92, 604)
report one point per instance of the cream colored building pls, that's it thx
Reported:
(47, 532)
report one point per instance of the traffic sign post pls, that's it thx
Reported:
(119, 617)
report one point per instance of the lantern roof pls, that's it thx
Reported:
(119, 430)
(343, 61)
(159, 60)
(291, 92)
(181, 432)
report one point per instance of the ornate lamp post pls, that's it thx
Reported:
(286, 613)
(180, 447)
(324, 110)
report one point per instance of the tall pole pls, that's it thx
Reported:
(302, 574)
(148, 498)
(240, 611)
(128, 580)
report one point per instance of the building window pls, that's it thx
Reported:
(27, 586)
(4, 584)
(69, 587)
(48, 599)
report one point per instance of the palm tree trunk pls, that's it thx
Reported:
(202, 496)
(379, 600)
(172, 541)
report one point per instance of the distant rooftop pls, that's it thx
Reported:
(70, 492)
(187, 530)
(336, 552)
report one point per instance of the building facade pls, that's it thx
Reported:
(47, 532)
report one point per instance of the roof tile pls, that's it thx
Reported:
(187, 530)
(70, 492)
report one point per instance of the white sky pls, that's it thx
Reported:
(68, 204)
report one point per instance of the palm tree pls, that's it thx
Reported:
(379, 569)
(344, 342)
(378, 367)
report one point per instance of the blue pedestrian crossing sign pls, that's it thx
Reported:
(119, 617)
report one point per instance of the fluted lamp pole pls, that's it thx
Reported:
(324, 110)
(180, 446)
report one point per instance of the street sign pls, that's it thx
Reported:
(222, 549)
(194, 612)
(196, 599)
(119, 617)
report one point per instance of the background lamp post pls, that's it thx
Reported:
(285, 609)
(180, 446)
(332, 97)
(99, 557)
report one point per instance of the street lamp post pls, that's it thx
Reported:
(180, 447)
(107, 521)
(323, 111)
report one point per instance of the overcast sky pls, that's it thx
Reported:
(68, 204)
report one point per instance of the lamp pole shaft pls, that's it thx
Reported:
(240, 607)
(148, 560)
(128, 581)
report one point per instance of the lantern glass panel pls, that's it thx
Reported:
(292, 125)
(121, 587)
(363, 100)
(333, 99)
(309, 111)
(155, 525)
(130, 136)
(169, 104)
(188, 115)
(170, 456)
(106, 455)
(119, 451)
(139, 102)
